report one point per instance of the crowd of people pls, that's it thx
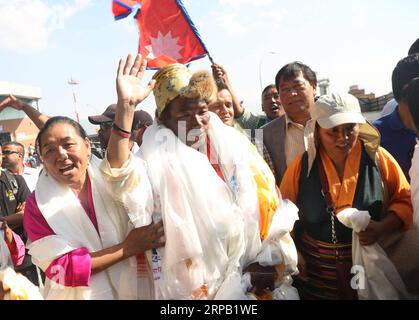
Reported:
(210, 201)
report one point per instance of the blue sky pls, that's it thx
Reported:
(45, 42)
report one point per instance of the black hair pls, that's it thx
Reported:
(267, 88)
(16, 144)
(405, 70)
(165, 114)
(292, 70)
(59, 119)
(411, 96)
(221, 85)
(414, 48)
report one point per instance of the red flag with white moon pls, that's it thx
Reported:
(167, 34)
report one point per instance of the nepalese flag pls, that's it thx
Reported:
(123, 8)
(167, 33)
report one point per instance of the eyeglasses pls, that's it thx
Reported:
(7, 152)
(105, 126)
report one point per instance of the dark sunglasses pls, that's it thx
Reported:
(7, 152)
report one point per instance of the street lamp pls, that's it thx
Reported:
(260, 66)
(73, 83)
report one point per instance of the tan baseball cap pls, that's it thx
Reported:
(335, 109)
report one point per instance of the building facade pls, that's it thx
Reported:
(14, 124)
(369, 102)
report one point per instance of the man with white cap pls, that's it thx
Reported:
(343, 167)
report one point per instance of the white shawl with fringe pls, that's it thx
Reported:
(211, 227)
(73, 229)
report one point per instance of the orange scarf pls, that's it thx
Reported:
(343, 193)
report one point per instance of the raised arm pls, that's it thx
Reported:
(37, 117)
(220, 73)
(130, 94)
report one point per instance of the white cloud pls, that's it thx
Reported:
(272, 17)
(229, 22)
(243, 16)
(26, 25)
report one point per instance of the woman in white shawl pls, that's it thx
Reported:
(77, 220)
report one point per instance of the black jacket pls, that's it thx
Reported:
(12, 196)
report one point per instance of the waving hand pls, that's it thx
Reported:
(129, 79)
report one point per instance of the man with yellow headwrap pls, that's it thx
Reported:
(222, 241)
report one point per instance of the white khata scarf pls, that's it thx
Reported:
(73, 229)
(211, 226)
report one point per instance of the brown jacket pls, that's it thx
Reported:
(274, 139)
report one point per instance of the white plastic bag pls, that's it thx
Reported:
(18, 286)
(286, 291)
(279, 247)
(234, 287)
(379, 280)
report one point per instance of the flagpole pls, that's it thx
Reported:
(220, 82)
(210, 58)
(182, 8)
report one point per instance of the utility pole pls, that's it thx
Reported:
(260, 66)
(73, 83)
